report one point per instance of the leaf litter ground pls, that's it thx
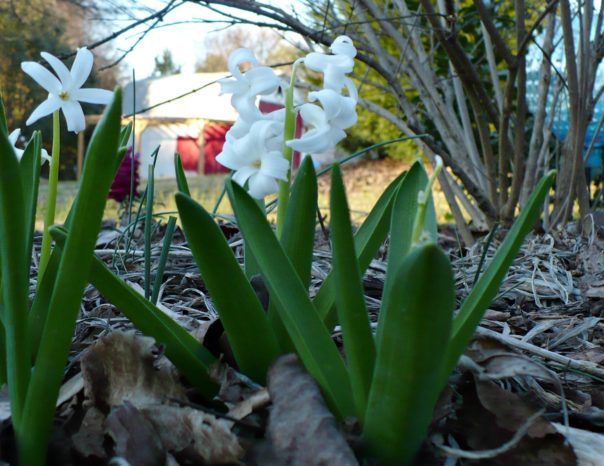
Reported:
(528, 391)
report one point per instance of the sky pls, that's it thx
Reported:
(184, 40)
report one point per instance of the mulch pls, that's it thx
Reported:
(528, 391)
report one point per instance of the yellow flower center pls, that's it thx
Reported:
(64, 95)
(256, 164)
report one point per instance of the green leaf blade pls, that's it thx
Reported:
(488, 284)
(298, 236)
(368, 239)
(310, 337)
(181, 179)
(15, 275)
(404, 210)
(410, 356)
(350, 299)
(29, 166)
(69, 285)
(250, 336)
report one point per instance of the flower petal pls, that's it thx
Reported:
(45, 108)
(246, 106)
(18, 153)
(45, 156)
(275, 165)
(334, 78)
(14, 136)
(231, 86)
(81, 68)
(59, 68)
(262, 80)
(237, 57)
(330, 100)
(238, 130)
(243, 174)
(74, 116)
(42, 76)
(313, 115)
(261, 186)
(316, 61)
(261, 133)
(229, 158)
(342, 45)
(317, 140)
(93, 96)
(340, 110)
(352, 89)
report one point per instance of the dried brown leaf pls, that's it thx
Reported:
(234, 386)
(193, 436)
(301, 429)
(490, 416)
(88, 440)
(509, 410)
(122, 366)
(136, 440)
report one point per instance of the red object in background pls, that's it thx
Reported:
(120, 188)
(267, 107)
(188, 148)
(213, 137)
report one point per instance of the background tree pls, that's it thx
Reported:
(268, 46)
(27, 28)
(458, 71)
(164, 64)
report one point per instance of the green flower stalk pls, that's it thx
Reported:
(51, 199)
(288, 134)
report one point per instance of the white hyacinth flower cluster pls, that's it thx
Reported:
(254, 145)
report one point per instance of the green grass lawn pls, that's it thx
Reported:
(364, 184)
(204, 189)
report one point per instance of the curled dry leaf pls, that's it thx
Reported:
(194, 437)
(489, 418)
(122, 366)
(88, 440)
(135, 438)
(588, 446)
(246, 407)
(234, 386)
(301, 429)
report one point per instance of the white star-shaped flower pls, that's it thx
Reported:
(14, 137)
(65, 89)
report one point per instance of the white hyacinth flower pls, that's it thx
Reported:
(335, 67)
(14, 137)
(245, 87)
(65, 89)
(256, 158)
(337, 112)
